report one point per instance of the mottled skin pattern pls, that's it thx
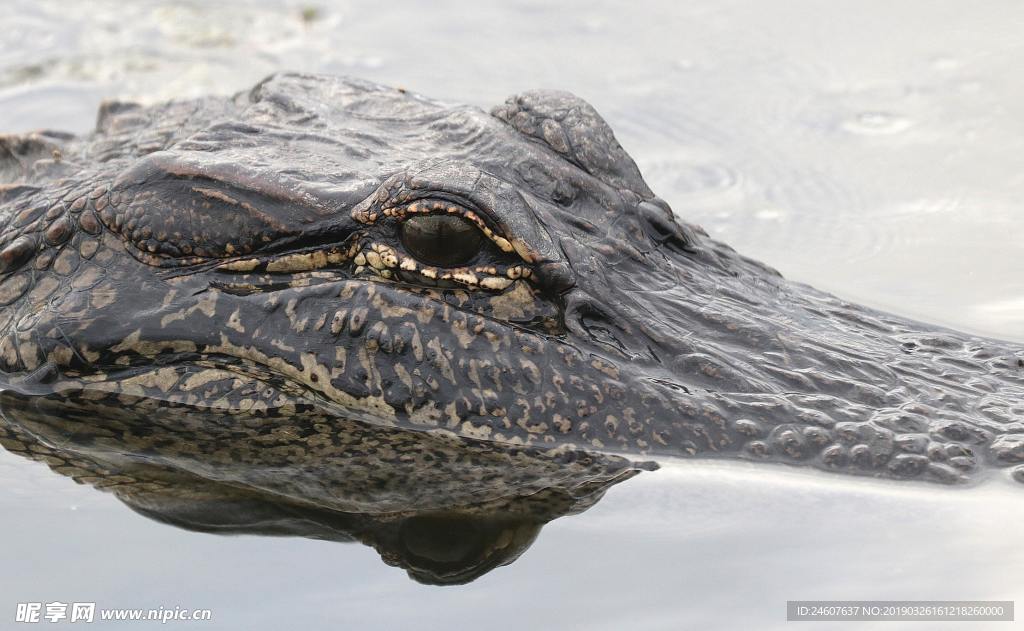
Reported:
(241, 257)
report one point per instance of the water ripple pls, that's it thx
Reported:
(876, 123)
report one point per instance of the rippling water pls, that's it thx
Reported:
(872, 149)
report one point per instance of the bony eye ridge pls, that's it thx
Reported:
(441, 240)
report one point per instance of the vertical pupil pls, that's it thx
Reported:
(441, 240)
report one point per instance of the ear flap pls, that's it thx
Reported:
(573, 128)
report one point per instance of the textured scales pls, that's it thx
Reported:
(217, 289)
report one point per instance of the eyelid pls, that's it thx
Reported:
(502, 207)
(437, 206)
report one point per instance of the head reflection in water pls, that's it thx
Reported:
(447, 511)
(435, 548)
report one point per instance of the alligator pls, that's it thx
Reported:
(329, 291)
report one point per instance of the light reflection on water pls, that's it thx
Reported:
(872, 150)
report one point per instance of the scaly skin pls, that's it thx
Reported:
(222, 280)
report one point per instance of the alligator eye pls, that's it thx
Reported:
(441, 240)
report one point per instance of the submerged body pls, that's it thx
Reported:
(232, 287)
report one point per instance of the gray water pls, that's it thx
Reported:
(873, 149)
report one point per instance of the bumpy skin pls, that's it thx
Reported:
(241, 256)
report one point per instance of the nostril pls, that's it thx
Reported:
(586, 318)
(660, 224)
(581, 307)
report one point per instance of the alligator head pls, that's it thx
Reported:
(318, 252)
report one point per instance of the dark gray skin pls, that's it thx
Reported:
(243, 258)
